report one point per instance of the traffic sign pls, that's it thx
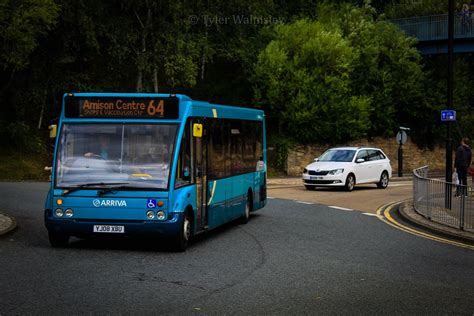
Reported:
(401, 137)
(448, 115)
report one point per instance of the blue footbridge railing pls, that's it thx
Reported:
(434, 28)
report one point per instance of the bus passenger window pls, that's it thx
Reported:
(216, 150)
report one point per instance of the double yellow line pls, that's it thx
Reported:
(383, 213)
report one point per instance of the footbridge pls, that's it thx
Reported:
(432, 33)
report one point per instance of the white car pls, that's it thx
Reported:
(348, 166)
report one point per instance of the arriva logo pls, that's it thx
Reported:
(99, 203)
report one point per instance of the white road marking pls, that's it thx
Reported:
(399, 184)
(341, 208)
(303, 202)
(371, 214)
(270, 198)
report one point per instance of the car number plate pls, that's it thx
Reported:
(109, 229)
(316, 178)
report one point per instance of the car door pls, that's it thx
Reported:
(376, 165)
(362, 168)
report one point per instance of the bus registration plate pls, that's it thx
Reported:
(109, 229)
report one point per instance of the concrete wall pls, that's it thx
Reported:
(413, 157)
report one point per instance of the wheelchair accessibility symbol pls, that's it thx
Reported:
(151, 203)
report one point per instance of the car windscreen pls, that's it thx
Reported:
(339, 155)
(136, 154)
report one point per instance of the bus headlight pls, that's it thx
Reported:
(59, 212)
(150, 215)
(69, 212)
(160, 215)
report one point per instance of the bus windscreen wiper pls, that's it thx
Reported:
(85, 185)
(110, 189)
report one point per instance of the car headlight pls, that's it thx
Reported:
(336, 171)
(305, 170)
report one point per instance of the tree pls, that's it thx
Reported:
(304, 74)
(388, 68)
(23, 22)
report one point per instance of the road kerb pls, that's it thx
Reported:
(384, 216)
(7, 223)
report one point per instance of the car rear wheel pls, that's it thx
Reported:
(383, 183)
(350, 182)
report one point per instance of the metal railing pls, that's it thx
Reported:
(435, 27)
(443, 202)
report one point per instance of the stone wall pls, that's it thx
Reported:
(413, 157)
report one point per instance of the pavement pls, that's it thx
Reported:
(406, 210)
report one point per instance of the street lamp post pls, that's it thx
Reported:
(449, 142)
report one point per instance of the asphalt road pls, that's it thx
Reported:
(291, 258)
(365, 197)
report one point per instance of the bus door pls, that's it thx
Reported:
(200, 167)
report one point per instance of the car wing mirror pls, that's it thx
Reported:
(316, 159)
(359, 160)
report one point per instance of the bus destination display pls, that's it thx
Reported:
(116, 107)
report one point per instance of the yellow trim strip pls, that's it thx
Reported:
(388, 219)
(214, 112)
(212, 192)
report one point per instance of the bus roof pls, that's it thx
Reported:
(188, 107)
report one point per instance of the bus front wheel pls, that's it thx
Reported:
(58, 240)
(181, 242)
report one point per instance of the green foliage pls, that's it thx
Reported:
(330, 73)
(23, 22)
(19, 166)
(282, 146)
(342, 77)
(21, 136)
(388, 69)
(410, 8)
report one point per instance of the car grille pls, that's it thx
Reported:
(319, 181)
(318, 173)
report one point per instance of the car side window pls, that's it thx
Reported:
(381, 155)
(362, 155)
(374, 155)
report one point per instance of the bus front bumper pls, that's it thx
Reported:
(85, 227)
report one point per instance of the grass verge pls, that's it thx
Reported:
(18, 166)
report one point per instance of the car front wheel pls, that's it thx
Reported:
(350, 182)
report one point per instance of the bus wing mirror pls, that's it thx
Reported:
(197, 130)
(53, 130)
(186, 174)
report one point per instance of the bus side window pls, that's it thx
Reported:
(216, 150)
(183, 172)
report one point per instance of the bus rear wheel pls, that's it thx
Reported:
(248, 208)
(58, 240)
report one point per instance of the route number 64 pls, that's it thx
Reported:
(153, 110)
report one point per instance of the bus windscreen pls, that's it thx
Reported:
(137, 154)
